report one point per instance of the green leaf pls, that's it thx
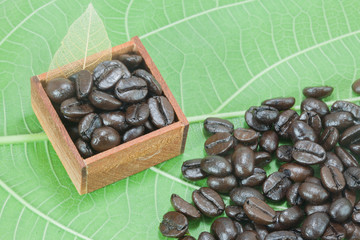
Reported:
(218, 57)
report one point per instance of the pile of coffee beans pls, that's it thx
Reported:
(318, 174)
(118, 102)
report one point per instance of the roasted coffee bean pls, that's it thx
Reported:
(315, 225)
(239, 227)
(340, 210)
(298, 173)
(350, 195)
(349, 227)
(249, 226)
(355, 149)
(240, 194)
(219, 143)
(137, 114)
(316, 105)
(174, 224)
(266, 114)
(276, 226)
(350, 136)
(104, 138)
(334, 231)
(115, 120)
(309, 153)
(133, 133)
(182, 206)
(60, 89)
(257, 178)
(318, 92)
(258, 211)
(262, 159)
(223, 228)
(73, 131)
(352, 177)
(292, 195)
(280, 104)
(187, 238)
(284, 152)
(236, 213)
(339, 120)
(344, 106)
(248, 235)
(104, 100)
(281, 235)
(261, 230)
(84, 148)
(149, 126)
(282, 126)
(313, 180)
(310, 209)
(71, 119)
(356, 86)
(329, 138)
(276, 185)
(291, 217)
(253, 122)
(161, 111)
(88, 124)
(313, 120)
(108, 73)
(208, 202)
(252, 146)
(333, 160)
(131, 61)
(222, 184)
(332, 179)
(83, 83)
(313, 193)
(356, 213)
(269, 141)
(206, 236)
(300, 131)
(215, 125)
(152, 84)
(131, 90)
(73, 108)
(191, 170)
(246, 136)
(216, 166)
(243, 160)
(346, 158)
(356, 233)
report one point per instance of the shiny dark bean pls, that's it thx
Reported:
(131, 61)
(73, 131)
(307, 152)
(222, 184)
(340, 210)
(310, 208)
(332, 179)
(83, 83)
(329, 138)
(131, 90)
(356, 86)
(137, 114)
(346, 158)
(115, 120)
(191, 170)
(314, 226)
(149, 126)
(215, 125)
(246, 136)
(276, 226)
(292, 195)
(208, 202)
(334, 232)
(333, 160)
(280, 104)
(269, 141)
(236, 213)
(355, 149)
(174, 224)
(84, 148)
(108, 73)
(248, 235)
(339, 120)
(243, 160)
(300, 131)
(257, 178)
(152, 84)
(352, 177)
(356, 233)
(291, 217)
(258, 211)
(313, 180)
(253, 122)
(133, 133)
(281, 235)
(240, 194)
(88, 124)
(344, 106)
(282, 126)
(276, 185)
(313, 120)
(318, 92)
(104, 138)
(182, 206)
(266, 114)
(73, 108)
(349, 227)
(351, 196)
(313, 104)
(216, 166)
(298, 173)
(356, 213)
(262, 159)
(161, 111)
(206, 236)
(261, 230)
(223, 228)
(60, 89)
(219, 143)
(252, 146)
(187, 238)
(313, 193)
(284, 152)
(239, 227)
(104, 100)
(350, 136)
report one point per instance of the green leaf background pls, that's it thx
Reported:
(218, 58)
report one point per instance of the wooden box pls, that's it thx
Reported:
(119, 162)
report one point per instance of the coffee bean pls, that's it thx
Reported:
(253, 122)
(215, 125)
(332, 179)
(161, 111)
(349, 227)
(313, 193)
(206, 236)
(174, 224)
(351, 196)
(73, 108)
(340, 210)
(318, 92)
(257, 178)
(131, 90)
(219, 143)
(313, 120)
(329, 138)
(281, 235)
(60, 89)
(258, 211)
(292, 195)
(137, 114)
(240, 194)
(291, 217)
(266, 114)
(284, 152)
(191, 170)
(223, 229)
(222, 184)
(247, 235)
(73, 131)
(208, 202)
(300, 131)
(149, 126)
(339, 120)
(216, 166)
(83, 83)
(310, 208)
(133, 133)
(350, 136)
(239, 227)
(356, 233)
(298, 173)
(243, 160)
(313, 104)
(261, 231)
(309, 153)
(187, 238)
(253, 146)
(356, 213)
(352, 177)
(84, 148)
(269, 141)
(104, 138)
(333, 160)
(249, 226)
(334, 231)
(152, 84)
(356, 86)
(282, 126)
(246, 136)
(262, 159)
(115, 120)
(355, 149)
(88, 124)
(131, 61)
(344, 106)
(346, 158)
(236, 213)
(280, 104)
(276, 186)
(104, 100)
(314, 180)
(182, 206)
(108, 73)
(315, 225)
